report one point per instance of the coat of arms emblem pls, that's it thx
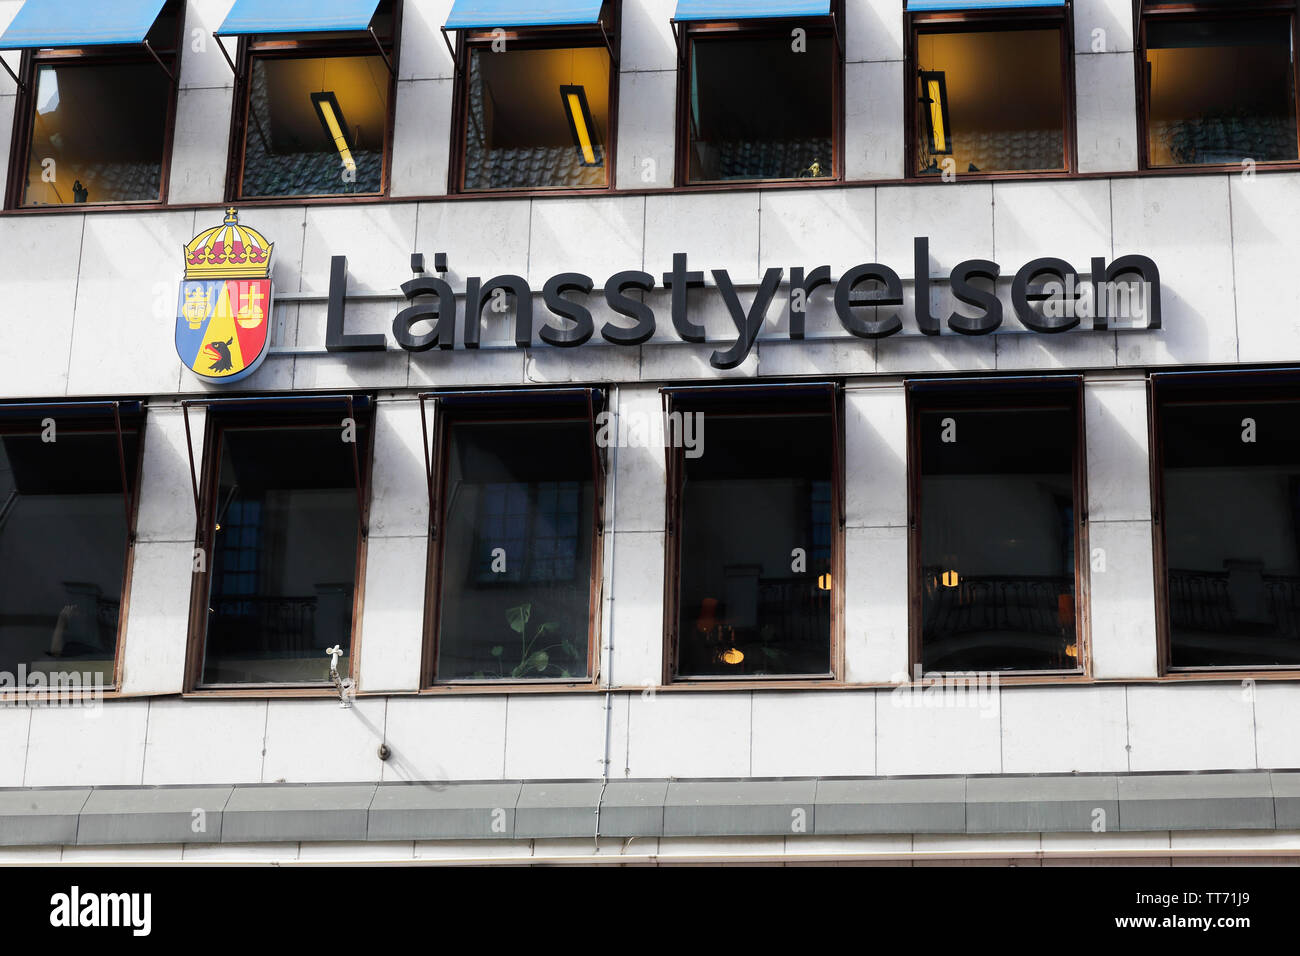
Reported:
(223, 319)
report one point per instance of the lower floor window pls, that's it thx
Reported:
(995, 527)
(515, 597)
(63, 543)
(1230, 515)
(754, 533)
(284, 531)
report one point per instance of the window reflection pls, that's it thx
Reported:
(1232, 533)
(284, 560)
(517, 551)
(63, 546)
(760, 110)
(98, 133)
(1220, 91)
(537, 118)
(748, 605)
(990, 101)
(317, 126)
(997, 539)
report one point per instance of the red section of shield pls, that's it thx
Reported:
(250, 301)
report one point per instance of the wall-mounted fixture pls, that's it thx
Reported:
(580, 125)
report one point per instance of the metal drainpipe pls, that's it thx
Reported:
(611, 508)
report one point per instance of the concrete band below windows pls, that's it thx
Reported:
(515, 810)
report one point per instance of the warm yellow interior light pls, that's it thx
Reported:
(336, 133)
(580, 124)
(824, 582)
(732, 656)
(951, 579)
(936, 116)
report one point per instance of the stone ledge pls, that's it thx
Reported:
(526, 810)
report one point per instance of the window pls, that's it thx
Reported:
(1219, 83)
(282, 536)
(760, 99)
(995, 527)
(317, 111)
(536, 103)
(1229, 520)
(514, 588)
(95, 121)
(754, 543)
(67, 491)
(992, 90)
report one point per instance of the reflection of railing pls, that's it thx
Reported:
(1033, 605)
(266, 623)
(796, 609)
(1202, 601)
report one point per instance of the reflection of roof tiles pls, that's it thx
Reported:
(532, 167)
(1212, 139)
(302, 174)
(767, 159)
(996, 150)
(115, 182)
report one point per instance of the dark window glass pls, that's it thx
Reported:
(537, 118)
(1220, 91)
(760, 110)
(63, 545)
(997, 540)
(760, 490)
(284, 560)
(989, 101)
(1232, 533)
(516, 557)
(317, 126)
(98, 133)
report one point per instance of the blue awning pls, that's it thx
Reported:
(298, 16)
(66, 23)
(921, 6)
(485, 14)
(749, 9)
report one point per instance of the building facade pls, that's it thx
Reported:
(649, 431)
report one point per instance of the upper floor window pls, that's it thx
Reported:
(760, 91)
(281, 537)
(535, 96)
(754, 546)
(995, 525)
(992, 89)
(97, 98)
(1228, 520)
(68, 475)
(1219, 83)
(515, 587)
(315, 97)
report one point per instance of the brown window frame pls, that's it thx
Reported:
(90, 57)
(535, 38)
(506, 407)
(747, 399)
(91, 417)
(1220, 388)
(257, 413)
(301, 46)
(984, 21)
(766, 27)
(995, 394)
(1193, 10)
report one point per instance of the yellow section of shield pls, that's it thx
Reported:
(221, 335)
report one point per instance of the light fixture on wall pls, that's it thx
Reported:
(951, 579)
(934, 94)
(824, 582)
(331, 118)
(578, 113)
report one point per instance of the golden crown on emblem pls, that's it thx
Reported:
(228, 251)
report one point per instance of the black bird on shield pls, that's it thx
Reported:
(221, 351)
